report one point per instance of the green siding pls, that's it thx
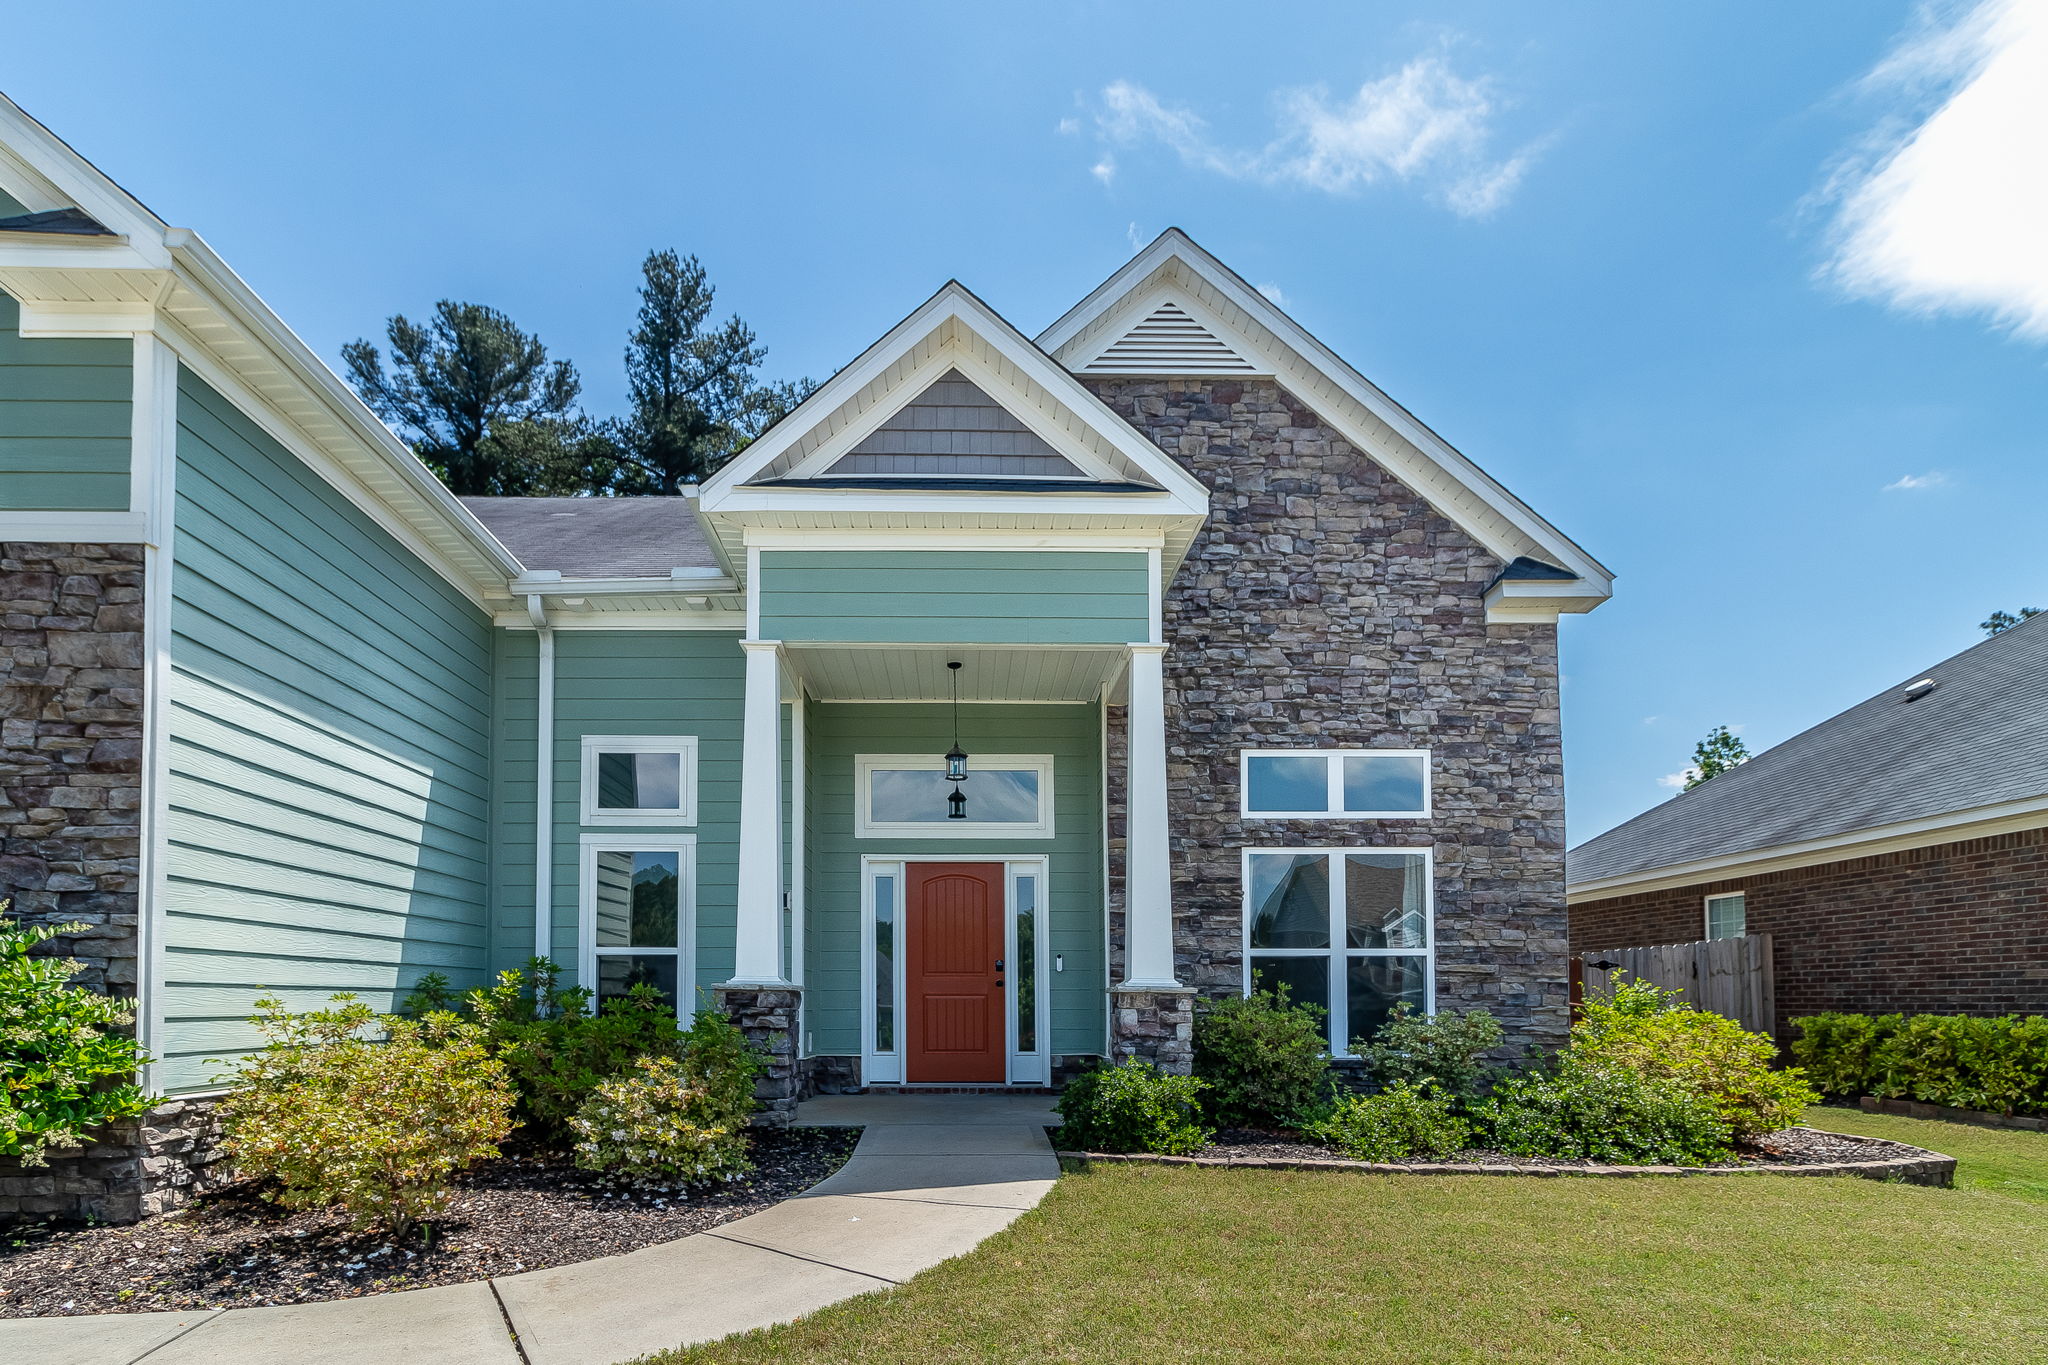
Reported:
(329, 746)
(65, 408)
(955, 596)
(835, 735)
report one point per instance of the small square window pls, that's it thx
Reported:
(1335, 784)
(1727, 916)
(639, 780)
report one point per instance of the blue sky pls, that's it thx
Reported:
(1746, 298)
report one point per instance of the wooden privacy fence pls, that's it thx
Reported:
(1730, 976)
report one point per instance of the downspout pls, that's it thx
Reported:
(543, 783)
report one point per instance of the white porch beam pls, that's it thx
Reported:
(757, 940)
(1148, 886)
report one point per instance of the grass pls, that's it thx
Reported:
(1152, 1264)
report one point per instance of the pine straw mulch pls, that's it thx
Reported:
(526, 1210)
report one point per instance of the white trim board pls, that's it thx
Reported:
(1977, 823)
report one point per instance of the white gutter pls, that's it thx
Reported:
(543, 785)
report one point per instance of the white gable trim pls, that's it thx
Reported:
(948, 327)
(1112, 343)
(1352, 404)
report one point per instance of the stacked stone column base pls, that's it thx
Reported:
(1155, 1026)
(768, 1018)
(136, 1169)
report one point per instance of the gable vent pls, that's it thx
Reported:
(1169, 342)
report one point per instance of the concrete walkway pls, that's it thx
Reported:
(932, 1176)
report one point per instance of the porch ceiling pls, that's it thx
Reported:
(990, 674)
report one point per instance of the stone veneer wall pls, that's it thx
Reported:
(71, 709)
(1327, 605)
(1958, 928)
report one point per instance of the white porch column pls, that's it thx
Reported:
(1148, 886)
(757, 944)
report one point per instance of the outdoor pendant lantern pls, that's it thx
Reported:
(956, 757)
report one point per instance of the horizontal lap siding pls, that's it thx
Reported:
(330, 749)
(955, 596)
(832, 963)
(65, 411)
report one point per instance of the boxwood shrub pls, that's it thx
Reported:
(1133, 1107)
(1999, 1065)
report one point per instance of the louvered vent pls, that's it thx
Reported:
(1168, 342)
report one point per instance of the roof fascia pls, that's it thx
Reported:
(45, 166)
(1977, 822)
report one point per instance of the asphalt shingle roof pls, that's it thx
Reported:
(1979, 738)
(598, 537)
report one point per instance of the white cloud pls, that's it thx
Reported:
(1135, 237)
(1913, 483)
(1945, 207)
(1069, 126)
(1105, 169)
(1651, 720)
(1424, 125)
(1676, 781)
(1273, 292)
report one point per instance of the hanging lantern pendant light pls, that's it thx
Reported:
(956, 757)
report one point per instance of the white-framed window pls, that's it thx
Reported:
(639, 779)
(1727, 916)
(1334, 784)
(885, 1003)
(903, 796)
(1350, 929)
(636, 909)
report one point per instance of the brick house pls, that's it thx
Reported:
(1897, 853)
(998, 700)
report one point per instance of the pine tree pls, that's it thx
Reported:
(1714, 755)
(2000, 621)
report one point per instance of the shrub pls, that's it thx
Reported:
(656, 1126)
(1133, 1107)
(1402, 1120)
(1435, 1049)
(1604, 1114)
(1968, 1062)
(1649, 1031)
(1265, 1061)
(718, 1060)
(557, 1052)
(61, 1069)
(378, 1128)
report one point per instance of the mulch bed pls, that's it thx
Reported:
(526, 1210)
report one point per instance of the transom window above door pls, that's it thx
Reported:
(1334, 784)
(639, 779)
(1009, 796)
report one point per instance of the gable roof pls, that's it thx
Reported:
(1174, 270)
(598, 537)
(954, 428)
(1973, 747)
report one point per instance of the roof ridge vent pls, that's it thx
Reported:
(1916, 690)
(1169, 340)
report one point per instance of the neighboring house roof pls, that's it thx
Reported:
(1965, 757)
(598, 537)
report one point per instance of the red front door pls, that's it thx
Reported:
(954, 973)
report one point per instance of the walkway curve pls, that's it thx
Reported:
(932, 1176)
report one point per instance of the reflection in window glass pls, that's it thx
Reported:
(1307, 978)
(618, 973)
(1026, 977)
(638, 897)
(1373, 985)
(1389, 782)
(916, 796)
(639, 781)
(1287, 782)
(1290, 900)
(885, 963)
(1386, 900)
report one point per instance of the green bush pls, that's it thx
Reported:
(378, 1128)
(1133, 1107)
(1265, 1061)
(1442, 1050)
(656, 1126)
(1650, 1031)
(1402, 1120)
(1963, 1061)
(62, 1072)
(1609, 1114)
(556, 1051)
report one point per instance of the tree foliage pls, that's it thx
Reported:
(479, 399)
(1999, 622)
(1714, 755)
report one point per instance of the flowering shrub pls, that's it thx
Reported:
(1402, 1120)
(57, 1055)
(336, 1117)
(1649, 1031)
(1133, 1107)
(652, 1125)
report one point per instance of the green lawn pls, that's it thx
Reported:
(1151, 1264)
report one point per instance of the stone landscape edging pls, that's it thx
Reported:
(1920, 1167)
(1915, 1109)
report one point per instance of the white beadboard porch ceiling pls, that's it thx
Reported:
(990, 674)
